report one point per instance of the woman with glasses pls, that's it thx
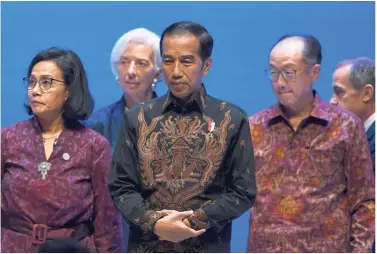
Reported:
(53, 169)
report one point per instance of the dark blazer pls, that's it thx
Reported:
(371, 139)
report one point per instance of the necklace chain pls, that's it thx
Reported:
(55, 137)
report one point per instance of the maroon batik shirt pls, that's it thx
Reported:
(74, 190)
(315, 185)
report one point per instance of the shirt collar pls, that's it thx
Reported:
(198, 98)
(319, 111)
(36, 126)
(369, 121)
(65, 133)
(123, 103)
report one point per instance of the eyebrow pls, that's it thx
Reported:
(284, 66)
(191, 57)
(137, 58)
(166, 56)
(337, 86)
(42, 76)
(180, 57)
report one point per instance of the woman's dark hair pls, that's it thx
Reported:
(80, 104)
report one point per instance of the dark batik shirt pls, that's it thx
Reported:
(194, 157)
(74, 191)
(315, 185)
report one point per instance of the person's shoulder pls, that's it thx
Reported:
(262, 116)
(235, 111)
(147, 107)
(87, 134)
(102, 114)
(101, 117)
(340, 116)
(91, 143)
(16, 128)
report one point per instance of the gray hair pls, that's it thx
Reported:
(141, 35)
(362, 71)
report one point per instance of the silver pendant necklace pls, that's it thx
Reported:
(45, 166)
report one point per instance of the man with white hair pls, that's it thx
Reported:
(136, 64)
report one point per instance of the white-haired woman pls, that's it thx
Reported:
(136, 64)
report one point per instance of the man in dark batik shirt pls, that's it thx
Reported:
(136, 65)
(183, 166)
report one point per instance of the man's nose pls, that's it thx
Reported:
(333, 100)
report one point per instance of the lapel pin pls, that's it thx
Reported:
(66, 156)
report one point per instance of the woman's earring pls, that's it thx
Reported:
(117, 79)
(154, 83)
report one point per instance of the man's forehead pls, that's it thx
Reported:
(180, 37)
(345, 87)
(342, 83)
(291, 48)
(181, 42)
(341, 75)
(179, 54)
(285, 60)
(294, 44)
(343, 70)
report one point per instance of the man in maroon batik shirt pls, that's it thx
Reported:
(313, 168)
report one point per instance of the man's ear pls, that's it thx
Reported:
(316, 69)
(368, 93)
(207, 66)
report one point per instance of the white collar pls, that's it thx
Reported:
(369, 121)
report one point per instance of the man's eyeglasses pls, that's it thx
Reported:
(45, 83)
(287, 75)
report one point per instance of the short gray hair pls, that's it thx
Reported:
(141, 35)
(362, 71)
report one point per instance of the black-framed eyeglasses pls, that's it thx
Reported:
(45, 83)
(288, 75)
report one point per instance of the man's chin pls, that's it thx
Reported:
(287, 102)
(183, 95)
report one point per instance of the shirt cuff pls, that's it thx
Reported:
(148, 220)
(198, 220)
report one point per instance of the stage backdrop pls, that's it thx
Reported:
(243, 33)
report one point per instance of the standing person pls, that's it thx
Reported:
(313, 169)
(353, 85)
(54, 171)
(183, 166)
(136, 64)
